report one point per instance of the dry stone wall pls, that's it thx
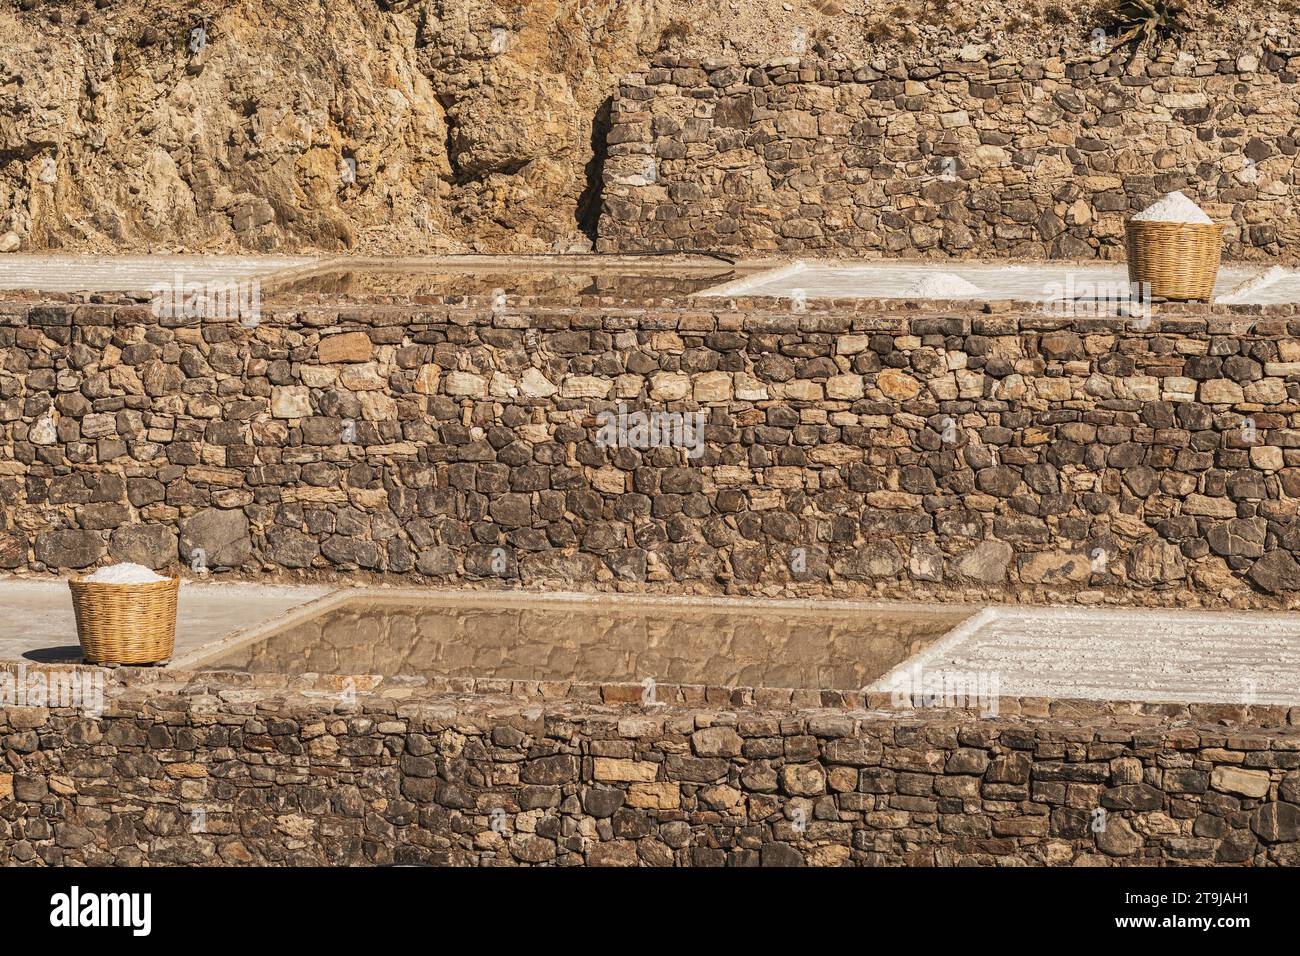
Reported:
(855, 449)
(964, 157)
(208, 773)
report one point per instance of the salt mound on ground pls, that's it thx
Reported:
(1174, 207)
(125, 573)
(1248, 289)
(942, 285)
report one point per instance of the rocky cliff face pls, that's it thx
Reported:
(397, 126)
(448, 124)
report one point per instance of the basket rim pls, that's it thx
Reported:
(1194, 226)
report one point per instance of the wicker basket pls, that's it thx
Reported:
(126, 623)
(1178, 260)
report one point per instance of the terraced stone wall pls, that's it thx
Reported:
(982, 452)
(206, 772)
(973, 156)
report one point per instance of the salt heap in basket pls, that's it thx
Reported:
(125, 573)
(1173, 250)
(1174, 207)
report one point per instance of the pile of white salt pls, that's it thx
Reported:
(1249, 290)
(942, 285)
(125, 573)
(1174, 207)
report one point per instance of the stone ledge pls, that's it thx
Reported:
(132, 687)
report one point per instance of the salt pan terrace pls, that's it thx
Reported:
(702, 277)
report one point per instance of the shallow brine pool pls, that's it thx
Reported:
(736, 644)
(364, 282)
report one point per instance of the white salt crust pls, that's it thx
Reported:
(1174, 207)
(1249, 290)
(942, 285)
(125, 573)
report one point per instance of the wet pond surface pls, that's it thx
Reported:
(405, 282)
(619, 641)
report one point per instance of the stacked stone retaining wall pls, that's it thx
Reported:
(985, 452)
(967, 157)
(216, 770)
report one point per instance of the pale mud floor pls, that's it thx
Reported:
(835, 646)
(1157, 656)
(37, 623)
